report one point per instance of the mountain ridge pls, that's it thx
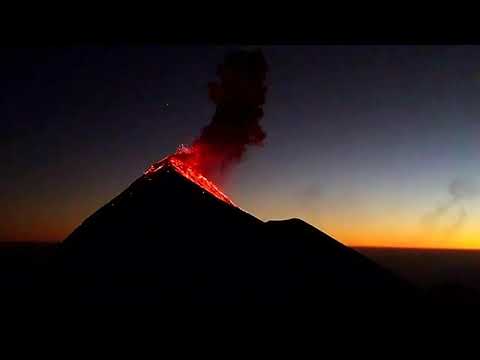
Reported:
(167, 238)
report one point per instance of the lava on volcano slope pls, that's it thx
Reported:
(186, 161)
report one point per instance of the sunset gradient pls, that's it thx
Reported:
(363, 142)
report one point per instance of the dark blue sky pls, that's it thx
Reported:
(361, 140)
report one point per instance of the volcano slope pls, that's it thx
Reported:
(166, 240)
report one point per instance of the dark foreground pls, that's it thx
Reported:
(445, 275)
(450, 276)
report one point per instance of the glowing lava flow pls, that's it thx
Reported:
(184, 161)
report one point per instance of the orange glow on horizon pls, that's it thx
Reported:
(360, 225)
(468, 241)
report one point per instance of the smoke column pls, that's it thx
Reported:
(239, 96)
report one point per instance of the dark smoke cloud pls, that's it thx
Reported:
(239, 96)
(459, 190)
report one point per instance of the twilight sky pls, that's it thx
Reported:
(375, 145)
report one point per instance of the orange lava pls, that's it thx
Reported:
(185, 161)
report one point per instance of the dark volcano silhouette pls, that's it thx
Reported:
(166, 240)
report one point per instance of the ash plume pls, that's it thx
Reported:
(459, 190)
(239, 96)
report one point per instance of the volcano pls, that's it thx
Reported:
(173, 237)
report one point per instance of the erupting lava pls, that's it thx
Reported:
(239, 97)
(187, 162)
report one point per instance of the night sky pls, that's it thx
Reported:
(375, 145)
